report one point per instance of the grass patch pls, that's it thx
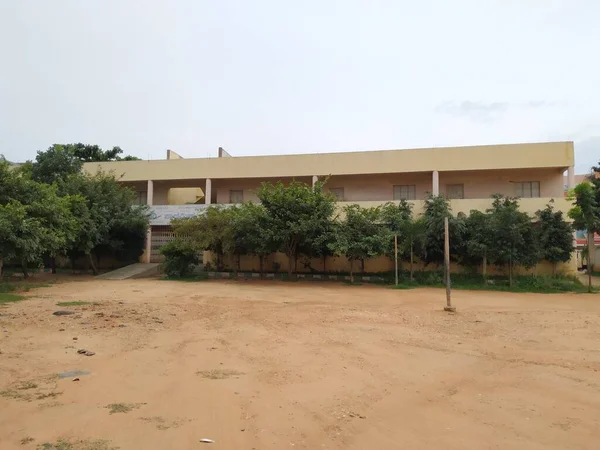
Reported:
(523, 283)
(27, 385)
(202, 276)
(27, 440)
(15, 395)
(10, 298)
(218, 374)
(76, 303)
(48, 395)
(116, 408)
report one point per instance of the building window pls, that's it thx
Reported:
(405, 192)
(338, 193)
(455, 191)
(236, 196)
(527, 189)
(141, 198)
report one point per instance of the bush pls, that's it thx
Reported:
(180, 259)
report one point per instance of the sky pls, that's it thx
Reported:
(279, 77)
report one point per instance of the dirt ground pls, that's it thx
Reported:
(273, 365)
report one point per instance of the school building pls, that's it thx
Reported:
(468, 176)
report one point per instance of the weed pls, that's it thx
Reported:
(15, 395)
(26, 440)
(27, 385)
(10, 298)
(61, 444)
(48, 395)
(75, 303)
(123, 407)
(218, 374)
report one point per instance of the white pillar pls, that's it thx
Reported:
(571, 177)
(149, 202)
(314, 180)
(208, 191)
(435, 183)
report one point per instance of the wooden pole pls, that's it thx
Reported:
(396, 256)
(448, 306)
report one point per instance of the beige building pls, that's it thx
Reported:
(178, 187)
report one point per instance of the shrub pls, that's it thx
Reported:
(180, 258)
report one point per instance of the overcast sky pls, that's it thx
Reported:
(275, 76)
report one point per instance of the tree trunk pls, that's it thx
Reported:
(351, 271)
(25, 270)
(261, 265)
(92, 264)
(325, 264)
(411, 264)
(53, 264)
(291, 258)
(591, 252)
(239, 263)
(510, 272)
(1, 266)
(362, 265)
(554, 265)
(484, 266)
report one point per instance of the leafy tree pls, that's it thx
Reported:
(56, 163)
(108, 217)
(478, 240)
(513, 239)
(586, 216)
(298, 213)
(252, 232)
(360, 235)
(555, 236)
(436, 209)
(211, 230)
(93, 153)
(411, 232)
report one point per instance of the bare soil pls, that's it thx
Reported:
(273, 365)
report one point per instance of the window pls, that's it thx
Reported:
(527, 189)
(141, 198)
(405, 192)
(236, 196)
(338, 193)
(455, 191)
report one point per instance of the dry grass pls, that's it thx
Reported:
(116, 408)
(219, 374)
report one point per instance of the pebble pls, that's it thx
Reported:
(74, 338)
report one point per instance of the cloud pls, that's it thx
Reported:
(487, 111)
(587, 153)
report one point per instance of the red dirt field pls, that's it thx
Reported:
(274, 365)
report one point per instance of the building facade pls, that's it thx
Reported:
(468, 176)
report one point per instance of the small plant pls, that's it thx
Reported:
(27, 385)
(10, 298)
(26, 440)
(209, 267)
(180, 258)
(219, 374)
(122, 407)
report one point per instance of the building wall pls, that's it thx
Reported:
(514, 156)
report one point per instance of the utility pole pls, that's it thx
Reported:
(396, 256)
(448, 306)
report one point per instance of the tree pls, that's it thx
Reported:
(586, 216)
(555, 236)
(513, 240)
(297, 214)
(61, 160)
(211, 230)
(108, 217)
(360, 235)
(436, 209)
(478, 240)
(411, 232)
(252, 232)
(56, 163)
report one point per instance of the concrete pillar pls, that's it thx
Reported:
(435, 183)
(208, 191)
(150, 193)
(314, 180)
(149, 202)
(571, 177)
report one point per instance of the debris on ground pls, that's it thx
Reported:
(85, 352)
(207, 441)
(73, 373)
(62, 313)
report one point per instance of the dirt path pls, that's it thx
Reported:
(274, 365)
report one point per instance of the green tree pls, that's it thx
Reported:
(360, 235)
(252, 232)
(477, 240)
(298, 213)
(93, 153)
(436, 209)
(108, 217)
(211, 230)
(555, 236)
(513, 239)
(586, 216)
(56, 163)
